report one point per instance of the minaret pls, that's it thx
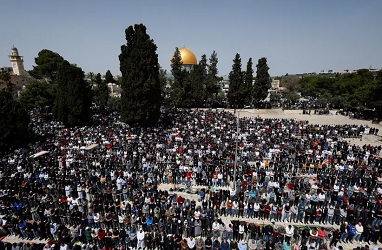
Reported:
(17, 62)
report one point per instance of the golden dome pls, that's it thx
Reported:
(188, 57)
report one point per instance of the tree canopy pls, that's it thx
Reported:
(177, 92)
(212, 81)
(194, 87)
(37, 94)
(109, 78)
(5, 80)
(236, 82)
(14, 121)
(101, 92)
(73, 96)
(262, 80)
(141, 87)
(248, 83)
(355, 91)
(47, 63)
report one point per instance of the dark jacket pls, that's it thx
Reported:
(233, 245)
(224, 245)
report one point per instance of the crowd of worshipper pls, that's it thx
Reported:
(98, 187)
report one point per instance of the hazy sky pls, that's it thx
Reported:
(295, 36)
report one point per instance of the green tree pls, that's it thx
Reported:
(375, 98)
(338, 101)
(366, 76)
(234, 94)
(201, 73)
(109, 78)
(114, 103)
(355, 91)
(5, 81)
(101, 92)
(248, 83)
(262, 80)
(141, 87)
(90, 76)
(164, 85)
(290, 82)
(197, 88)
(177, 92)
(292, 96)
(98, 79)
(275, 97)
(14, 122)
(118, 80)
(324, 99)
(47, 63)
(308, 87)
(212, 84)
(73, 96)
(37, 94)
(203, 67)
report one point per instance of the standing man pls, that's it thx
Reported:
(359, 231)
(289, 231)
(140, 239)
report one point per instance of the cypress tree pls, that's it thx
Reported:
(248, 80)
(213, 87)
(234, 95)
(109, 78)
(197, 93)
(141, 87)
(101, 92)
(202, 69)
(73, 97)
(262, 80)
(178, 88)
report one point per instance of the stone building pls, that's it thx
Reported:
(19, 76)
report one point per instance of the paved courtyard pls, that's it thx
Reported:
(277, 114)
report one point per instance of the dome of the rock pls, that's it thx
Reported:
(188, 57)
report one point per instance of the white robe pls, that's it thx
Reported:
(141, 239)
